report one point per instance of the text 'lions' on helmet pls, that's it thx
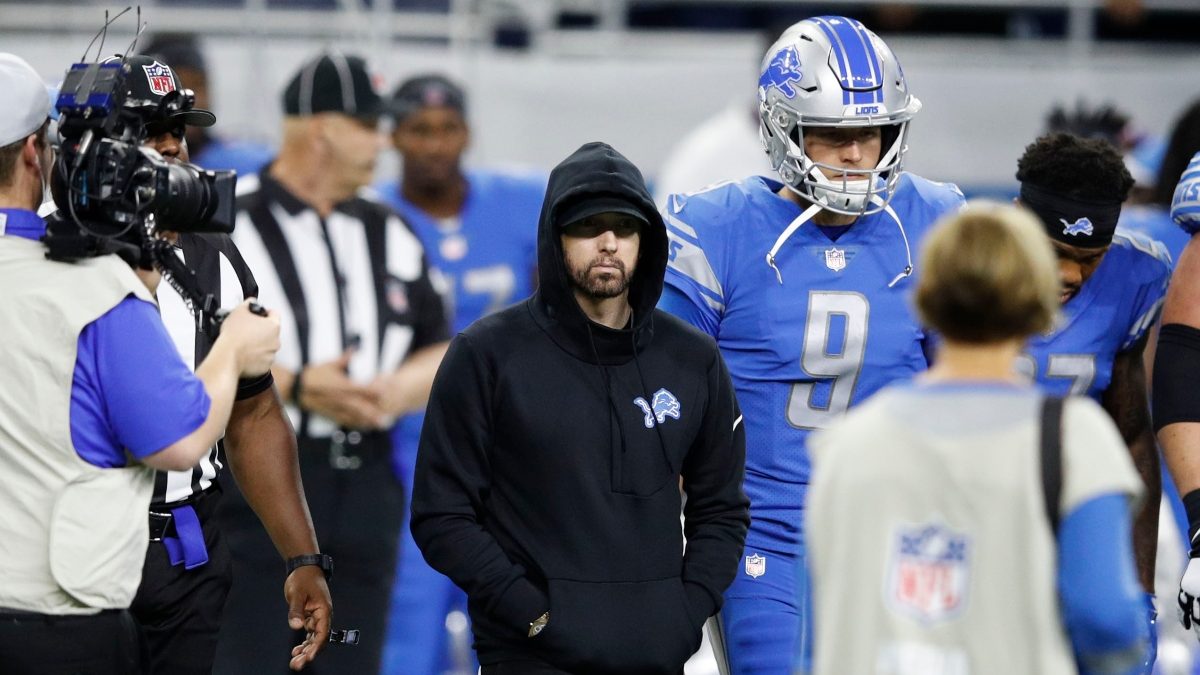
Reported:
(830, 71)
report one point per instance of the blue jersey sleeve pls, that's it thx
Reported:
(1185, 204)
(131, 390)
(1149, 272)
(1102, 602)
(692, 289)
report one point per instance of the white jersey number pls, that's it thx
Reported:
(821, 360)
(1080, 369)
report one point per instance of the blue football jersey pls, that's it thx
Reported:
(488, 256)
(1112, 311)
(1155, 223)
(838, 328)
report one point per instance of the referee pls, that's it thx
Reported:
(363, 331)
(188, 570)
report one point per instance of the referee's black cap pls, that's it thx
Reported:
(332, 82)
(426, 91)
(148, 80)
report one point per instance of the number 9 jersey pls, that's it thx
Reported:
(832, 328)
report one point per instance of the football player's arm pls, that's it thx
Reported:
(1177, 363)
(1125, 401)
(717, 511)
(449, 488)
(1101, 601)
(261, 448)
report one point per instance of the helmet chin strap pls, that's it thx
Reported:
(813, 210)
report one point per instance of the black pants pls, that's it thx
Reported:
(180, 610)
(99, 644)
(357, 514)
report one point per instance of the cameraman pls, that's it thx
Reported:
(184, 586)
(94, 397)
(180, 602)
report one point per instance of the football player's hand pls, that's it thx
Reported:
(1189, 597)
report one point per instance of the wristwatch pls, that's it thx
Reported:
(537, 625)
(322, 560)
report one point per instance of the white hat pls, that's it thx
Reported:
(25, 104)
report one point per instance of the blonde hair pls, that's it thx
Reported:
(988, 274)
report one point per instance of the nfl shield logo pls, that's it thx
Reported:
(397, 297)
(929, 572)
(159, 77)
(756, 565)
(835, 259)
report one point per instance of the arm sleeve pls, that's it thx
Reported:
(450, 487)
(677, 302)
(717, 511)
(1103, 605)
(151, 397)
(691, 289)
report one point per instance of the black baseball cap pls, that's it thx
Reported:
(148, 80)
(426, 91)
(332, 82)
(594, 205)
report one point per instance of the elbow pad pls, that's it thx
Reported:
(1176, 372)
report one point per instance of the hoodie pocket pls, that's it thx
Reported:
(633, 628)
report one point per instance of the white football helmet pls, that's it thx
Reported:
(830, 71)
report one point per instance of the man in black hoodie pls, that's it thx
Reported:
(557, 433)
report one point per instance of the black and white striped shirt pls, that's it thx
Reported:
(220, 270)
(358, 277)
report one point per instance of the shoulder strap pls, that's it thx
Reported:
(1051, 455)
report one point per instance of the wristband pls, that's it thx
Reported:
(322, 560)
(1191, 504)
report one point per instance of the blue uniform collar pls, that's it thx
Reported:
(22, 223)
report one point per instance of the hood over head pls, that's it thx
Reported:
(597, 179)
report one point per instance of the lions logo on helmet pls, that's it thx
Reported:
(783, 70)
(852, 80)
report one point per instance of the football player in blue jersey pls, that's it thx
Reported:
(804, 282)
(1112, 293)
(1176, 370)
(479, 229)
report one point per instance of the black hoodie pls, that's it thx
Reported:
(549, 466)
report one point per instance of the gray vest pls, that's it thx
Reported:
(929, 544)
(73, 536)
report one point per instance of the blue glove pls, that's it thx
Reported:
(1185, 205)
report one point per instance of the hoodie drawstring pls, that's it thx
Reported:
(812, 211)
(612, 406)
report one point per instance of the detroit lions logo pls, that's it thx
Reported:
(1082, 226)
(783, 70)
(664, 405)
